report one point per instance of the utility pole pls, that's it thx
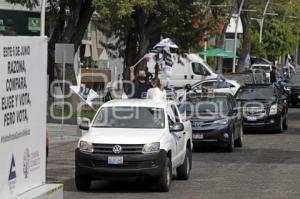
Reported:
(43, 17)
(262, 21)
(235, 34)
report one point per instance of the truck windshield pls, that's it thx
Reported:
(130, 117)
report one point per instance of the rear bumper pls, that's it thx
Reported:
(138, 165)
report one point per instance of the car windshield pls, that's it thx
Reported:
(130, 117)
(207, 106)
(257, 93)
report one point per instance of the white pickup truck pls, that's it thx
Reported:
(135, 138)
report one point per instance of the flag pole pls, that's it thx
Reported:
(140, 60)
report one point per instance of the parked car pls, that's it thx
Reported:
(135, 138)
(293, 88)
(215, 118)
(263, 107)
(186, 69)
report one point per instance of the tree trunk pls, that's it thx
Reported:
(77, 21)
(246, 45)
(220, 40)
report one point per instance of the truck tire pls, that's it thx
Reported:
(184, 170)
(239, 142)
(285, 123)
(280, 126)
(230, 146)
(82, 183)
(164, 182)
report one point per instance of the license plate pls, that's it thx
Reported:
(251, 119)
(115, 160)
(198, 136)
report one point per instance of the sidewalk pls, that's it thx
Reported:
(68, 132)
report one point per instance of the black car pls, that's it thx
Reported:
(214, 118)
(293, 87)
(264, 107)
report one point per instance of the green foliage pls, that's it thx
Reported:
(28, 3)
(257, 49)
(279, 39)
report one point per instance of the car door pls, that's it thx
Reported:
(178, 136)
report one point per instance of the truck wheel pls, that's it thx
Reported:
(280, 126)
(230, 146)
(239, 142)
(184, 170)
(82, 183)
(164, 181)
(285, 123)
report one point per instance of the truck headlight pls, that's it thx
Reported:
(222, 122)
(86, 146)
(273, 109)
(151, 148)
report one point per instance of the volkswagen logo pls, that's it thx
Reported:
(117, 149)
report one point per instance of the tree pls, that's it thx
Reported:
(222, 16)
(137, 25)
(66, 22)
(284, 18)
(246, 44)
(279, 39)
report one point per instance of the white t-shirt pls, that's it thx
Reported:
(156, 94)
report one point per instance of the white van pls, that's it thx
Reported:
(187, 69)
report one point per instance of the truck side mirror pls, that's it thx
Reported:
(177, 127)
(84, 125)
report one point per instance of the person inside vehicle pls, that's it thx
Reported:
(140, 81)
(157, 92)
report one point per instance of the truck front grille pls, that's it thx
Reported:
(126, 148)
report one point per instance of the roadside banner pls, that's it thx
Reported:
(23, 95)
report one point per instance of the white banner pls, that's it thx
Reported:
(23, 82)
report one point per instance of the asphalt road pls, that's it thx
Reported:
(268, 166)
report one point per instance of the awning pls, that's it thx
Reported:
(217, 52)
